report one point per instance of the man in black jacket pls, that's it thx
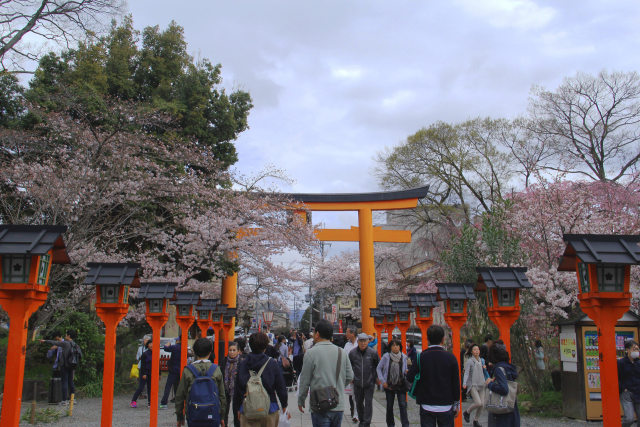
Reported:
(438, 389)
(364, 361)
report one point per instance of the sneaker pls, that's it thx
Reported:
(467, 416)
(161, 406)
(354, 420)
(133, 405)
(476, 424)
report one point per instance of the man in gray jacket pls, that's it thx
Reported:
(319, 371)
(364, 361)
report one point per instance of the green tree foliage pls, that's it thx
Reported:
(154, 72)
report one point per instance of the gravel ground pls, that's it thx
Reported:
(414, 416)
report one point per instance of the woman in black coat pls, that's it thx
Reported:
(144, 376)
(503, 371)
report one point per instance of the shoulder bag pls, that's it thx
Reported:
(495, 403)
(412, 392)
(326, 398)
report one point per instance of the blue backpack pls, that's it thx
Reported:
(203, 403)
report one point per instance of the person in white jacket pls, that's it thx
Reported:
(475, 374)
(391, 373)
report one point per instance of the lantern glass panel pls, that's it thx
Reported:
(379, 320)
(506, 297)
(610, 278)
(15, 268)
(404, 316)
(125, 295)
(43, 268)
(203, 314)
(425, 311)
(456, 306)
(490, 297)
(109, 294)
(155, 305)
(583, 273)
(184, 310)
(390, 318)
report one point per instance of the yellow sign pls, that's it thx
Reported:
(568, 347)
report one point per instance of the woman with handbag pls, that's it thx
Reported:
(391, 373)
(475, 374)
(503, 373)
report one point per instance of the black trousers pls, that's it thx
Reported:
(364, 403)
(236, 421)
(402, 405)
(141, 384)
(172, 381)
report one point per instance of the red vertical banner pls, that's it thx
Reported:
(340, 323)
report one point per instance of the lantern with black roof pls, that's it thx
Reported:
(217, 317)
(113, 281)
(502, 286)
(389, 321)
(455, 297)
(204, 309)
(423, 303)
(227, 324)
(378, 323)
(603, 268)
(185, 301)
(403, 312)
(26, 255)
(156, 296)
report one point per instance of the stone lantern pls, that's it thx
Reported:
(423, 303)
(603, 268)
(113, 281)
(26, 255)
(502, 286)
(156, 296)
(185, 302)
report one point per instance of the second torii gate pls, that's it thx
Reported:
(365, 234)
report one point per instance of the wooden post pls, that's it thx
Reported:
(156, 321)
(111, 316)
(367, 269)
(456, 321)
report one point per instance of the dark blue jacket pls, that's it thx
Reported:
(272, 379)
(174, 361)
(439, 382)
(145, 365)
(629, 377)
(499, 385)
(412, 354)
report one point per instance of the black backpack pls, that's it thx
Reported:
(74, 356)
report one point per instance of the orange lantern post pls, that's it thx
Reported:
(423, 304)
(378, 323)
(113, 281)
(156, 296)
(185, 302)
(27, 253)
(455, 297)
(204, 308)
(228, 322)
(403, 319)
(603, 266)
(502, 285)
(217, 323)
(389, 321)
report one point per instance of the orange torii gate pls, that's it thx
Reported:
(365, 234)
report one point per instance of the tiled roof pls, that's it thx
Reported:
(156, 290)
(34, 240)
(502, 277)
(423, 299)
(599, 248)
(207, 304)
(456, 291)
(106, 273)
(186, 298)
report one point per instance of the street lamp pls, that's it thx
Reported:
(502, 286)
(26, 253)
(185, 302)
(113, 281)
(603, 267)
(455, 297)
(423, 304)
(156, 296)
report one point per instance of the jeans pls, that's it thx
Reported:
(433, 419)
(402, 405)
(66, 375)
(326, 419)
(141, 384)
(172, 381)
(364, 402)
(630, 408)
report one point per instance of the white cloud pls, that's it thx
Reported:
(518, 14)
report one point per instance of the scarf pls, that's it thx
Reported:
(230, 372)
(394, 369)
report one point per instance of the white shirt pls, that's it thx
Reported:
(436, 408)
(350, 346)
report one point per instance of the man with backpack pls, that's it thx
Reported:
(259, 380)
(200, 396)
(67, 361)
